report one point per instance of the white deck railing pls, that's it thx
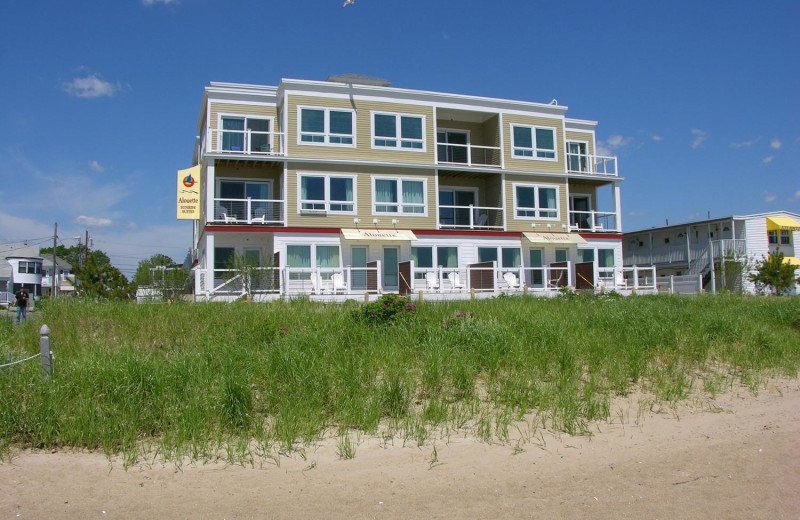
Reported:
(248, 211)
(468, 155)
(595, 221)
(245, 142)
(591, 164)
(470, 217)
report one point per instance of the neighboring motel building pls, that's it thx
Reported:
(21, 266)
(348, 186)
(694, 247)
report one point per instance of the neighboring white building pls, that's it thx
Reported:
(65, 280)
(694, 247)
(21, 266)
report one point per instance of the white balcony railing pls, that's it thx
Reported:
(591, 164)
(468, 155)
(248, 211)
(595, 221)
(470, 217)
(245, 142)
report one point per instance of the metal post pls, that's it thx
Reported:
(44, 351)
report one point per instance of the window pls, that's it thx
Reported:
(248, 134)
(422, 258)
(240, 199)
(585, 255)
(446, 256)
(223, 257)
(510, 256)
(397, 131)
(534, 142)
(399, 196)
(773, 237)
(298, 257)
(326, 126)
(561, 255)
(536, 202)
(327, 193)
(327, 258)
(29, 267)
(577, 157)
(785, 237)
(452, 146)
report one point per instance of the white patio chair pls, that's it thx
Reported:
(259, 216)
(555, 282)
(455, 280)
(337, 279)
(432, 281)
(511, 280)
(482, 218)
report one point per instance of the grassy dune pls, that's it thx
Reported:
(244, 379)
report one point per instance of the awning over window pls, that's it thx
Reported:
(378, 234)
(554, 238)
(782, 224)
(792, 260)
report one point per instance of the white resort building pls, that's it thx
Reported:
(338, 188)
(703, 248)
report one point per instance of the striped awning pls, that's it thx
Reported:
(782, 224)
(378, 234)
(554, 238)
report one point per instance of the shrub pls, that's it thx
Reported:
(388, 310)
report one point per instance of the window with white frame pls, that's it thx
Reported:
(332, 193)
(533, 142)
(29, 267)
(532, 201)
(327, 126)
(785, 237)
(397, 196)
(508, 256)
(249, 134)
(298, 260)
(401, 131)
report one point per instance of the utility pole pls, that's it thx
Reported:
(55, 239)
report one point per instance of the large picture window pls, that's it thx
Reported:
(399, 196)
(327, 193)
(398, 131)
(536, 202)
(533, 142)
(326, 126)
(248, 134)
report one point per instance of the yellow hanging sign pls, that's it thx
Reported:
(189, 193)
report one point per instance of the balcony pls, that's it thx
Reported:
(245, 142)
(593, 221)
(592, 164)
(470, 217)
(468, 155)
(249, 211)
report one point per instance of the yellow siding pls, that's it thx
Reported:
(241, 170)
(582, 136)
(525, 225)
(363, 150)
(363, 199)
(512, 163)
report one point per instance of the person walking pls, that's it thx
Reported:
(22, 304)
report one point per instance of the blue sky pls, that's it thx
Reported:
(99, 99)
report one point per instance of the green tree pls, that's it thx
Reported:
(774, 273)
(162, 276)
(99, 279)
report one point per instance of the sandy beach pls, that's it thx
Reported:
(735, 456)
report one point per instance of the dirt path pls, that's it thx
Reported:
(741, 460)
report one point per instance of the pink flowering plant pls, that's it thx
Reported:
(390, 310)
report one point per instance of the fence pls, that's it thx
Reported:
(45, 354)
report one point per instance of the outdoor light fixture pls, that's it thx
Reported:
(356, 221)
(395, 221)
(375, 221)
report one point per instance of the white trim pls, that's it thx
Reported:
(537, 208)
(535, 150)
(399, 202)
(326, 133)
(398, 127)
(326, 200)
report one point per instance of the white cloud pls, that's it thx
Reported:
(90, 87)
(776, 143)
(96, 167)
(768, 159)
(745, 144)
(796, 197)
(636, 213)
(612, 144)
(83, 220)
(657, 138)
(769, 197)
(699, 137)
(18, 229)
(153, 2)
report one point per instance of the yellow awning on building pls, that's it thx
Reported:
(378, 234)
(782, 224)
(792, 260)
(554, 238)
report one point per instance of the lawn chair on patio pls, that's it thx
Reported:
(432, 281)
(511, 280)
(337, 279)
(455, 280)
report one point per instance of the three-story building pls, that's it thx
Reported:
(349, 186)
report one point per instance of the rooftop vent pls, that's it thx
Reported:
(359, 79)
